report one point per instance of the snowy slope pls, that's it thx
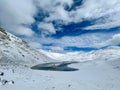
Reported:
(14, 51)
(92, 75)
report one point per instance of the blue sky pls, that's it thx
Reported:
(63, 25)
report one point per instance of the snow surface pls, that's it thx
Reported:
(98, 70)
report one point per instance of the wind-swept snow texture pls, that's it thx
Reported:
(98, 70)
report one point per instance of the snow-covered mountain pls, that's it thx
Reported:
(98, 70)
(109, 53)
(14, 51)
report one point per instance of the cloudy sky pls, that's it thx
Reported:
(63, 25)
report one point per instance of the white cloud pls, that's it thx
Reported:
(103, 25)
(85, 40)
(115, 40)
(24, 31)
(59, 14)
(47, 27)
(106, 13)
(35, 45)
(16, 13)
(56, 48)
(50, 5)
(56, 11)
